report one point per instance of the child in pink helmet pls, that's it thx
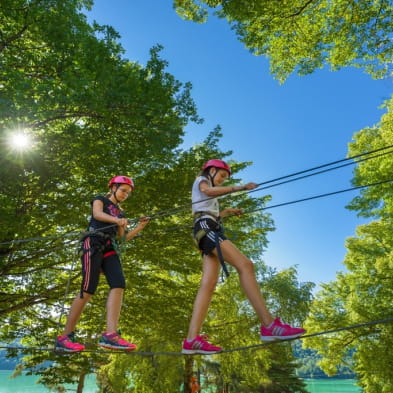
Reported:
(99, 255)
(216, 249)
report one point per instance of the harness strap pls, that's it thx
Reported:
(201, 234)
(220, 256)
(93, 233)
(206, 214)
(104, 235)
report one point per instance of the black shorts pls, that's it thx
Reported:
(212, 228)
(99, 256)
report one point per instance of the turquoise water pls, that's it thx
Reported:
(28, 384)
(332, 386)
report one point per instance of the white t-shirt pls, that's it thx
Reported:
(207, 204)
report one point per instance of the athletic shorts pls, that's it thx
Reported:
(99, 256)
(208, 243)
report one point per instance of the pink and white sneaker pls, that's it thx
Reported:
(67, 343)
(280, 331)
(114, 341)
(199, 345)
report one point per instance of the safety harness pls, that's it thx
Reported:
(91, 231)
(199, 235)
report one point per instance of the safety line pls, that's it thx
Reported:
(328, 164)
(41, 238)
(164, 213)
(243, 348)
(318, 196)
(255, 210)
(317, 173)
(298, 200)
(277, 205)
(139, 235)
(182, 208)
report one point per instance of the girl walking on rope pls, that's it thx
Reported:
(216, 248)
(100, 255)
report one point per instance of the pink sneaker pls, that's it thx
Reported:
(280, 331)
(199, 345)
(114, 341)
(66, 343)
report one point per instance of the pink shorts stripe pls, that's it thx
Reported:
(87, 263)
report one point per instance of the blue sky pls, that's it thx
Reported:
(305, 122)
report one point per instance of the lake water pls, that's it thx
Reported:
(28, 384)
(332, 386)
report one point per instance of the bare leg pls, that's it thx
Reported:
(77, 307)
(210, 271)
(113, 307)
(247, 278)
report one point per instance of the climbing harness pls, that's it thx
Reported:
(199, 235)
(92, 232)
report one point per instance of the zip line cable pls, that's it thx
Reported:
(174, 228)
(276, 205)
(172, 211)
(186, 206)
(288, 203)
(328, 164)
(41, 238)
(318, 173)
(238, 349)
(320, 196)
(258, 209)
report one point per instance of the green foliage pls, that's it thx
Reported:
(302, 36)
(363, 293)
(309, 359)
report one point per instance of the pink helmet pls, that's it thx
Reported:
(217, 164)
(120, 179)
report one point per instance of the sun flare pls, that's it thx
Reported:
(20, 141)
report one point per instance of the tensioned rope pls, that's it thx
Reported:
(243, 348)
(319, 172)
(275, 180)
(320, 196)
(259, 209)
(174, 228)
(41, 238)
(181, 208)
(328, 164)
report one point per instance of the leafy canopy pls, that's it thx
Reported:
(303, 35)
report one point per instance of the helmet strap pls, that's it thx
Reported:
(114, 193)
(212, 177)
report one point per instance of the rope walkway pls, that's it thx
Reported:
(163, 353)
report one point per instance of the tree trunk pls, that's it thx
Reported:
(188, 372)
(81, 383)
